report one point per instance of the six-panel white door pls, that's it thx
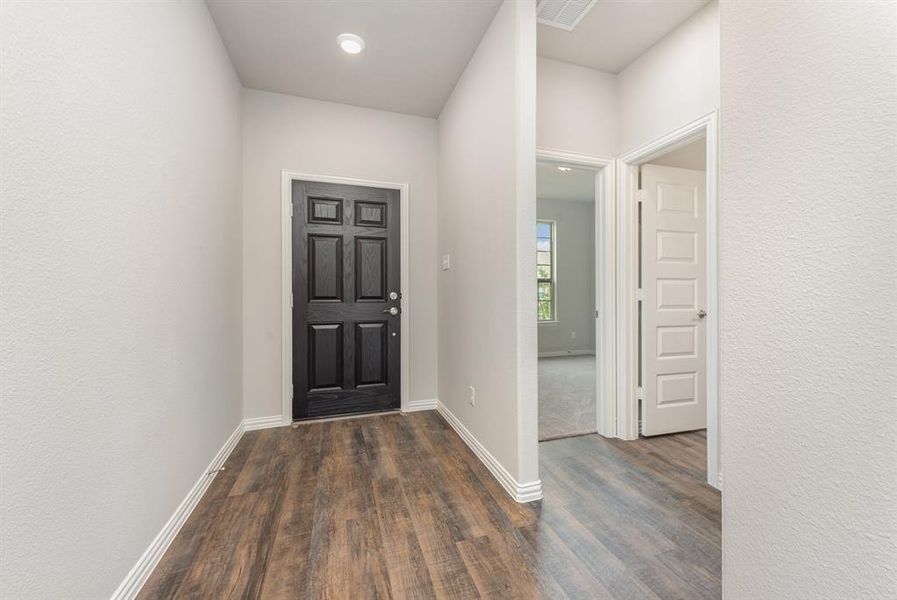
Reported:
(673, 284)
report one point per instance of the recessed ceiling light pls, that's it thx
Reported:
(564, 169)
(350, 43)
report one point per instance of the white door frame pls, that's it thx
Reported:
(286, 286)
(627, 281)
(605, 272)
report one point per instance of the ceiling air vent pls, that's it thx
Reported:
(564, 14)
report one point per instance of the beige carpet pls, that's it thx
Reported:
(566, 396)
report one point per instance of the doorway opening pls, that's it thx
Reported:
(574, 244)
(668, 251)
(565, 272)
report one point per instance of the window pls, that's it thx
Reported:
(545, 270)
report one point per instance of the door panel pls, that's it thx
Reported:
(370, 214)
(371, 278)
(371, 353)
(325, 356)
(346, 344)
(325, 268)
(327, 211)
(673, 280)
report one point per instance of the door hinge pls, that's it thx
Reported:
(640, 196)
(291, 299)
(639, 393)
(596, 314)
(639, 294)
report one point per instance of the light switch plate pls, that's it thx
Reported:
(446, 262)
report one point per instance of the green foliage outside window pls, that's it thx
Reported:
(545, 269)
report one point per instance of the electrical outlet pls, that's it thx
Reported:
(573, 335)
(472, 395)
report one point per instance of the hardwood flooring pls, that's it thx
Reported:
(397, 506)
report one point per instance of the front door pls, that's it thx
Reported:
(346, 299)
(673, 284)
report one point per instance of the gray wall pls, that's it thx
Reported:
(325, 138)
(577, 108)
(486, 174)
(674, 82)
(121, 279)
(575, 287)
(808, 278)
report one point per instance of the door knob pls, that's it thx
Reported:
(391, 310)
(702, 313)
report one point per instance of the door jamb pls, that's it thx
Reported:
(627, 278)
(286, 285)
(605, 272)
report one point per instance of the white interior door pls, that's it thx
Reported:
(674, 291)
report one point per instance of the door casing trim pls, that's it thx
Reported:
(605, 226)
(627, 281)
(286, 283)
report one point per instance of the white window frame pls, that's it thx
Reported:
(554, 275)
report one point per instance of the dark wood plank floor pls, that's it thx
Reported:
(397, 506)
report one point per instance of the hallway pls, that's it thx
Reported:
(397, 506)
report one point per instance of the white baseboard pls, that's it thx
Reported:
(263, 423)
(521, 492)
(555, 353)
(416, 405)
(140, 572)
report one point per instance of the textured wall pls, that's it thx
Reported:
(323, 138)
(674, 82)
(120, 260)
(486, 173)
(577, 109)
(808, 275)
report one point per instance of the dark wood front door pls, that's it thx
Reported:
(346, 299)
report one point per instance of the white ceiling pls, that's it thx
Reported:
(416, 50)
(577, 185)
(615, 32)
(692, 156)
